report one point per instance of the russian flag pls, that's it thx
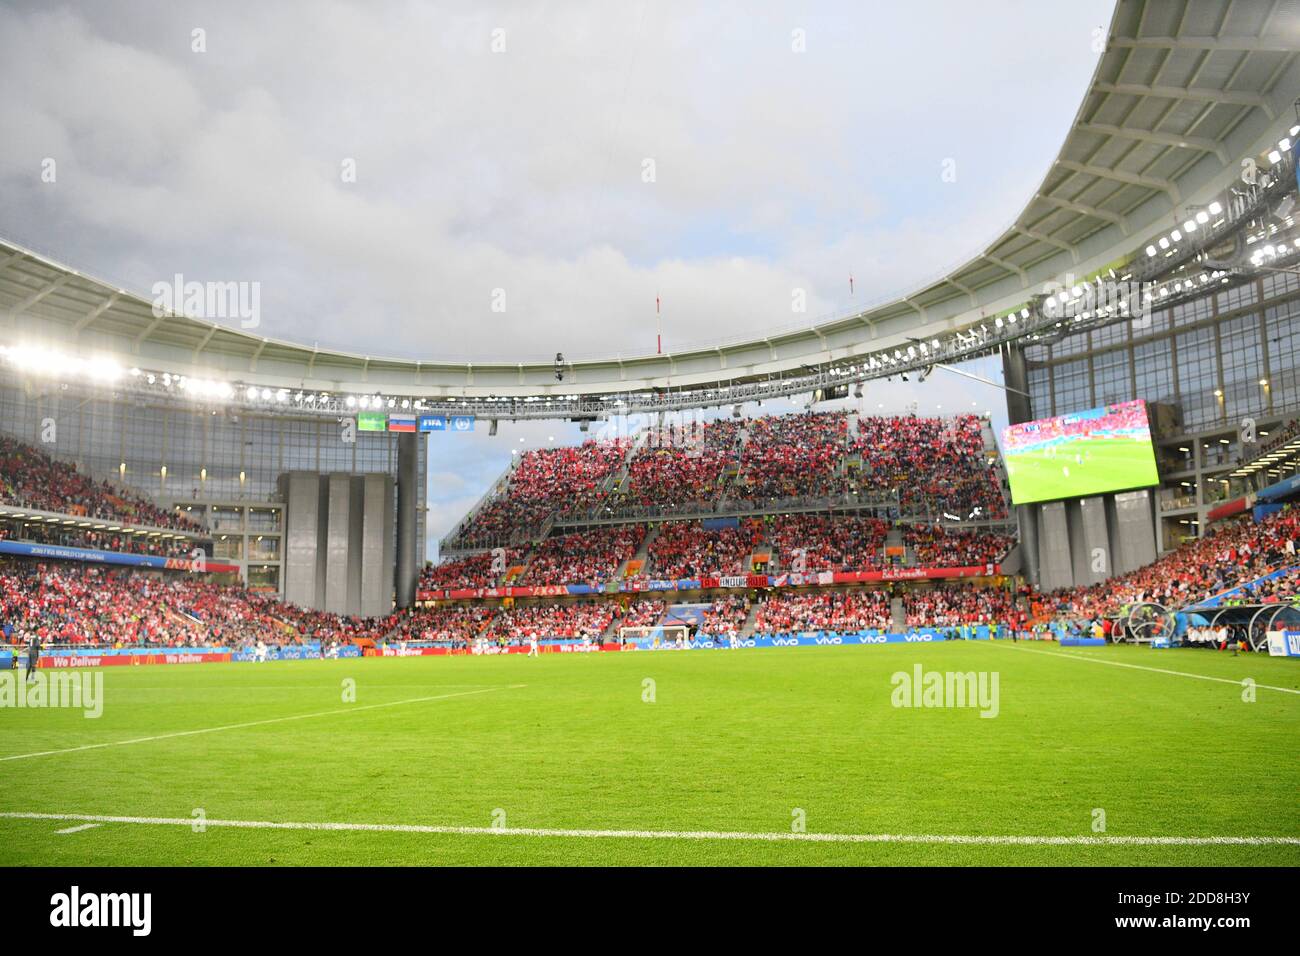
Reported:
(401, 423)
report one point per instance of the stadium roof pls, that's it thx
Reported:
(1183, 91)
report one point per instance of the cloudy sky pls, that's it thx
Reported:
(582, 158)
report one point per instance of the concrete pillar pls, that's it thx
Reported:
(408, 496)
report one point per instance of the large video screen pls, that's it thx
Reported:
(1085, 453)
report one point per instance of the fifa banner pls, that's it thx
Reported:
(65, 553)
(1284, 643)
(743, 581)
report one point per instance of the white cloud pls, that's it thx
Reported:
(522, 170)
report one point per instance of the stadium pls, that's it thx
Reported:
(723, 604)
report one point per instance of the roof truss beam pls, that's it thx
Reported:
(1160, 139)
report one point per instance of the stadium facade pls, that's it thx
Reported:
(1099, 292)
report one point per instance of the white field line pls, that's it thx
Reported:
(1062, 655)
(1015, 840)
(259, 723)
(84, 826)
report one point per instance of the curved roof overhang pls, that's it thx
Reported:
(1182, 93)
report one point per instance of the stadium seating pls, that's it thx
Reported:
(936, 547)
(953, 606)
(68, 536)
(842, 611)
(725, 617)
(934, 464)
(1228, 557)
(685, 549)
(643, 613)
(474, 571)
(546, 481)
(515, 625)
(814, 542)
(681, 466)
(75, 603)
(30, 478)
(585, 557)
(455, 625)
(792, 456)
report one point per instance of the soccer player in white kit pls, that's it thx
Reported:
(532, 645)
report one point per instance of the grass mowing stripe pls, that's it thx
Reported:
(256, 723)
(1060, 655)
(944, 838)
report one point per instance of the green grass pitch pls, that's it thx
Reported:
(1109, 464)
(737, 741)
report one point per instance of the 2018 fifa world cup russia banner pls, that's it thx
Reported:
(67, 553)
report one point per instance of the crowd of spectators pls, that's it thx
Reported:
(456, 625)
(682, 465)
(641, 613)
(1232, 556)
(585, 619)
(474, 571)
(686, 549)
(725, 616)
(934, 464)
(811, 542)
(954, 606)
(29, 478)
(547, 481)
(583, 557)
(840, 611)
(789, 456)
(75, 603)
(934, 546)
(80, 604)
(70, 536)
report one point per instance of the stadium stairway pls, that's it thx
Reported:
(751, 620)
(895, 540)
(897, 614)
(642, 553)
(990, 440)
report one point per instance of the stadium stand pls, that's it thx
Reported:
(815, 542)
(933, 546)
(587, 619)
(74, 537)
(935, 464)
(474, 571)
(687, 550)
(584, 557)
(30, 478)
(841, 611)
(545, 481)
(791, 456)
